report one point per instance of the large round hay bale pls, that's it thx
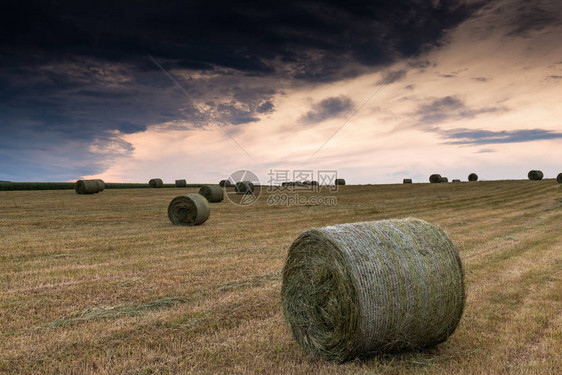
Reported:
(340, 181)
(473, 177)
(191, 209)
(435, 178)
(407, 181)
(443, 179)
(213, 193)
(356, 289)
(244, 187)
(87, 187)
(559, 178)
(101, 184)
(155, 183)
(181, 183)
(225, 183)
(535, 175)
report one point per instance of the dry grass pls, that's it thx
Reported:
(105, 283)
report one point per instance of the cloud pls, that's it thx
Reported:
(327, 109)
(392, 77)
(480, 79)
(525, 17)
(480, 136)
(448, 108)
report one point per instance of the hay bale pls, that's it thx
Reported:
(244, 187)
(473, 177)
(191, 209)
(340, 181)
(407, 181)
(213, 193)
(443, 179)
(356, 289)
(101, 184)
(155, 183)
(286, 184)
(559, 178)
(87, 187)
(181, 183)
(456, 180)
(225, 183)
(314, 183)
(435, 178)
(535, 175)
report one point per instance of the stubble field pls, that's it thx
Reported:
(105, 284)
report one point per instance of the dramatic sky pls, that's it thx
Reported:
(377, 90)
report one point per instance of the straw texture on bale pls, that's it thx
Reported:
(101, 184)
(473, 177)
(155, 183)
(191, 209)
(535, 175)
(181, 183)
(225, 183)
(353, 290)
(244, 187)
(407, 181)
(559, 178)
(435, 178)
(87, 187)
(340, 181)
(213, 193)
(443, 179)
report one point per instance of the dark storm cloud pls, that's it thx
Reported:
(78, 71)
(480, 136)
(328, 108)
(201, 35)
(448, 108)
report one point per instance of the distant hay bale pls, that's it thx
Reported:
(473, 177)
(535, 175)
(286, 184)
(357, 289)
(244, 187)
(559, 178)
(181, 183)
(306, 183)
(444, 179)
(101, 184)
(87, 187)
(191, 209)
(456, 180)
(225, 183)
(155, 183)
(314, 183)
(435, 178)
(407, 181)
(340, 181)
(213, 193)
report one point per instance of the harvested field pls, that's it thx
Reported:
(125, 291)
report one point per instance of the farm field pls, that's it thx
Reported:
(105, 284)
